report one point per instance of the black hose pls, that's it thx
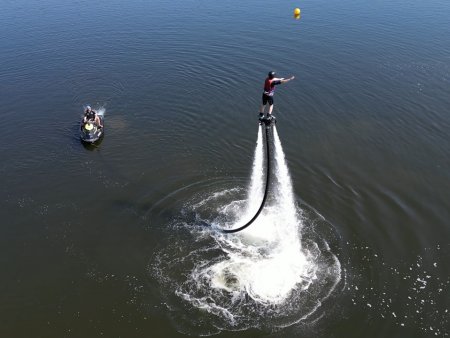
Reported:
(230, 231)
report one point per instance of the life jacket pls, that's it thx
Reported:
(268, 88)
(90, 115)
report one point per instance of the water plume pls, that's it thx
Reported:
(264, 276)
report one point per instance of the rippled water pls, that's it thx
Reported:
(108, 240)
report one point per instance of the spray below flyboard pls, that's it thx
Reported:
(261, 276)
(266, 260)
(255, 192)
(267, 121)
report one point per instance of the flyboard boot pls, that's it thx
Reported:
(267, 120)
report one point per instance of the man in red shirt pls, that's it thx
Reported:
(269, 89)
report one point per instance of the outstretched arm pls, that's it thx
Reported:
(283, 80)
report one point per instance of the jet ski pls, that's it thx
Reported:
(90, 132)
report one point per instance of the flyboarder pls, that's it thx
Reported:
(269, 89)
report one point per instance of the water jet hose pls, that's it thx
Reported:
(266, 191)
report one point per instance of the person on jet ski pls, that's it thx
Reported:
(91, 115)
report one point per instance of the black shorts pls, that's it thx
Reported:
(267, 98)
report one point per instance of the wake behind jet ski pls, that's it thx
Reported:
(91, 128)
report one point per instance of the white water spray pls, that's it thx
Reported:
(101, 111)
(255, 193)
(261, 276)
(284, 190)
(265, 260)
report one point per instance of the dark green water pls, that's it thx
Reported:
(94, 239)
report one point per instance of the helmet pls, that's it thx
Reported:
(271, 75)
(88, 108)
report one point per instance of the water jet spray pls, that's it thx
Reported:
(264, 121)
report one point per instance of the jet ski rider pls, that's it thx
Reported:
(90, 115)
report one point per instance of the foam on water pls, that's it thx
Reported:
(415, 289)
(263, 272)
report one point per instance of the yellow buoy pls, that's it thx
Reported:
(297, 12)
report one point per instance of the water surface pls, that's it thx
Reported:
(364, 129)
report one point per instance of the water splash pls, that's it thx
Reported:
(255, 193)
(260, 277)
(101, 111)
(265, 260)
